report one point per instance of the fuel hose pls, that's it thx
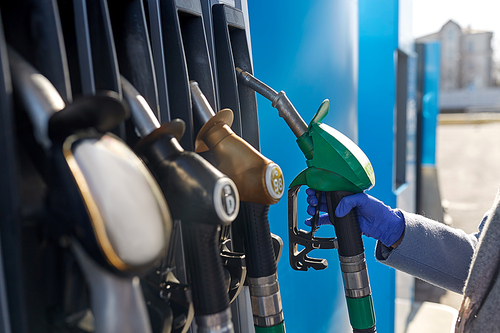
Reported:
(353, 265)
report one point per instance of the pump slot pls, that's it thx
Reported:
(12, 302)
(90, 41)
(231, 49)
(152, 9)
(33, 28)
(133, 48)
(186, 58)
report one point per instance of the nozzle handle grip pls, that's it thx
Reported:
(252, 222)
(210, 294)
(346, 228)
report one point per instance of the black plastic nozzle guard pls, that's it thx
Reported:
(299, 260)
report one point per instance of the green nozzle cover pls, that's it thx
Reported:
(335, 163)
(361, 312)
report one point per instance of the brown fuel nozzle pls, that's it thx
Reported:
(259, 180)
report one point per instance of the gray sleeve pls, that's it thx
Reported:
(431, 251)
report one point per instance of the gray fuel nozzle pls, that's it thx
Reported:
(100, 194)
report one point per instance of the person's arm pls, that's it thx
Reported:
(431, 251)
(411, 243)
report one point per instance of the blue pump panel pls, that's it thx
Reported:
(387, 124)
(309, 49)
(430, 107)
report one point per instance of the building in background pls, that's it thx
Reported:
(466, 57)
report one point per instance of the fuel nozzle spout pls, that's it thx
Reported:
(143, 117)
(259, 180)
(279, 101)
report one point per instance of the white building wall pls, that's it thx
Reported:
(476, 60)
(486, 99)
(450, 36)
(466, 57)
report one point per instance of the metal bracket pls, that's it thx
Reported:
(234, 263)
(299, 260)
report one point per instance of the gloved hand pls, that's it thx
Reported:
(376, 219)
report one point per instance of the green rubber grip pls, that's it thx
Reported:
(280, 328)
(361, 312)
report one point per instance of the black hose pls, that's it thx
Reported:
(346, 228)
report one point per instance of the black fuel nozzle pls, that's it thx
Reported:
(200, 196)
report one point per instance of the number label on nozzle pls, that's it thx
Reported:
(226, 200)
(274, 181)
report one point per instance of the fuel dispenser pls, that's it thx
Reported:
(154, 54)
(337, 167)
(91, 207)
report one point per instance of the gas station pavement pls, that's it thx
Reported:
(467, 160)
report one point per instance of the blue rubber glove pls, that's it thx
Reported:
(311, 209)
(376, 219)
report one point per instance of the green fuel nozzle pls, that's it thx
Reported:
(334, 162)
(336, 167)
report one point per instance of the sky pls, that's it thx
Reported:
(430, 15)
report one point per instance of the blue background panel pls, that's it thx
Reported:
(378, 42)
(309, 49)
